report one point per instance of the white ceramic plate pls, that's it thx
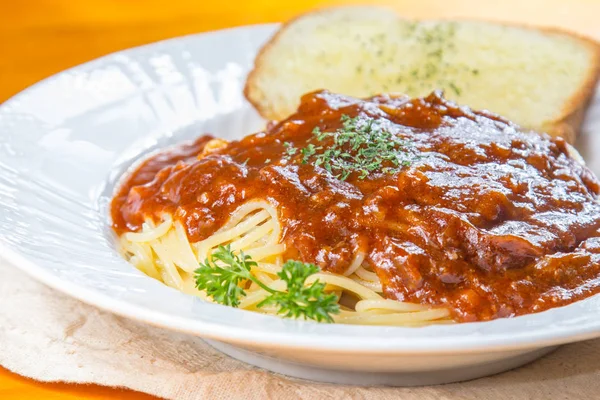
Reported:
(65, 142)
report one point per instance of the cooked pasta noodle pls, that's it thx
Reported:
(164, 252)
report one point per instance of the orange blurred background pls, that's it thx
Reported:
(41, 37)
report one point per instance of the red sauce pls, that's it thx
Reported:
(487, 220)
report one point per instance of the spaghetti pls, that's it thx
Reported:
(163, 251)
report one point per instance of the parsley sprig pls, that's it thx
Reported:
(222, 283)
(361, 145)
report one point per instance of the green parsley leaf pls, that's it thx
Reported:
(300, 301)
(222, 277)
(223, 284)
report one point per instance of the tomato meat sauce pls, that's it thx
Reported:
(478, 215)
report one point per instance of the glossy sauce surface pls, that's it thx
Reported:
(485, 219)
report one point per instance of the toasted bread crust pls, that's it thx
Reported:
(566, 124)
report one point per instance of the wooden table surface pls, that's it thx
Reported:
(41, 37)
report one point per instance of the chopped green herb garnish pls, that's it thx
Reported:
(289, 149)
(318, 133)
(436, 53)
(223, 284)
(454, 88)
(361, 146)
(308, 151)
(268, 160)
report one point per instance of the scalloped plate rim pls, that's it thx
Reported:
(239, 335)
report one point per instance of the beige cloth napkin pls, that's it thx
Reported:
(50, 337)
